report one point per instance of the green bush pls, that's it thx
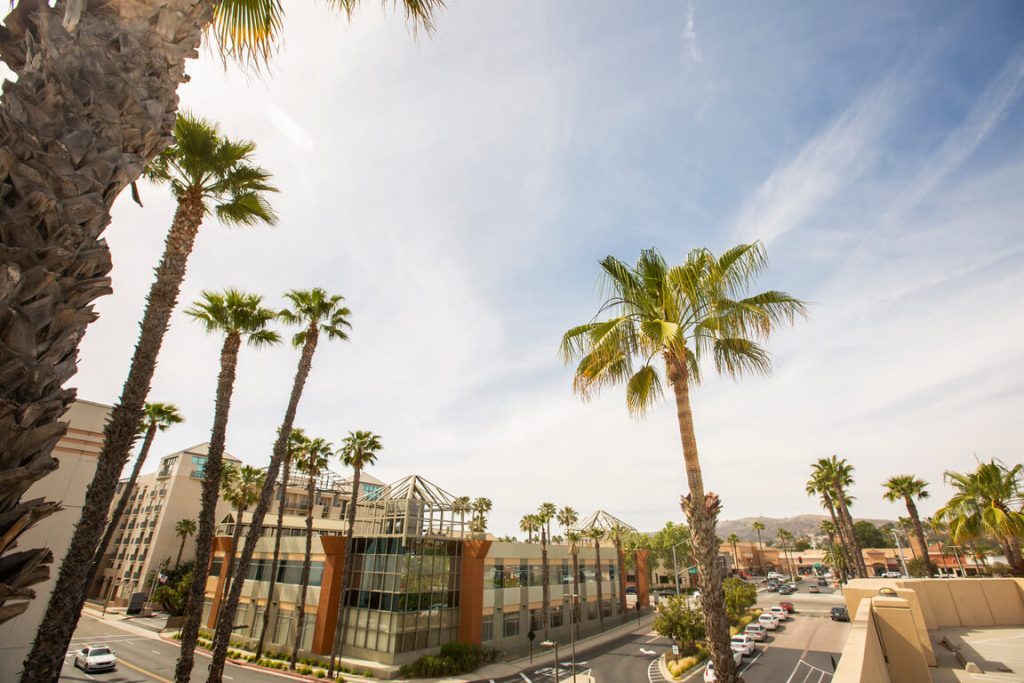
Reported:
(367, 674)
(454, 658)
(319, 674)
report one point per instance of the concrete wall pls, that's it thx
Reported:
(76, 452)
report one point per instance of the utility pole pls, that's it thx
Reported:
(956, 554)
(899, 550)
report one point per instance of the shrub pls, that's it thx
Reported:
(367, 674)
(320, 674)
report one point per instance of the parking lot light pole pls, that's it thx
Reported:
(554, 644)
(899, 552)
(572, 634)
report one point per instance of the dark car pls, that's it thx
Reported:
(822, 581)
(786, 590)
(788, 606)
(773, 587)
(839, 614)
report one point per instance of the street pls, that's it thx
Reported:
(141, 656)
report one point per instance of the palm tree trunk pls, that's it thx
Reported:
(545, 588)
(760, 553)
(622, 575)
(181, 549)
(341, 622)
(1013, 556)
(702, 512)
(575, 592)
(273, 565)
(915, 519)
(227, 612)
(212, 471)
(846, 524)
(119, 434)
(300, 612)
(87, 111)
(122, 503)
(236, 533)
(844, 546)
(600, 588)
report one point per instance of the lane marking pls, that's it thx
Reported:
(646, 651)
(525, 677)
(751, 662)
(145, 672)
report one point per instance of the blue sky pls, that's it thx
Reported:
(460, 188)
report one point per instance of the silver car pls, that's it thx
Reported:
(95, 658)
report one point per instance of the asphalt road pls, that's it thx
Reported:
(142, 658)
(806, 603)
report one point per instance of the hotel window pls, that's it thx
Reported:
(556, 617)
(198, 466)
(487, 628)
(537, 575)
(510, 624)
(496, 576)
(512, 577)
(611, 571)
(536, 620)
(166, 465)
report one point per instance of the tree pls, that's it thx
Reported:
(733, 539)
(835, 475)
(678, 316)
(869, 536)
(481, 506)
(683, 625)
(315, 312)
(158, 417)
(183, 528)
(573, 539)
(907, 487)
(358, 450)
(759, 527)
(528, 524)
(296, 443)
(172, 594)
(93, 102)
(567, 518)
(312, 462)
(545, 513)
(207, 173)
(237, 316)
(740, 596)
(785, 539)
(460, 506)
(239, 486)
(984, 503)
(595, 534)
(617, 534)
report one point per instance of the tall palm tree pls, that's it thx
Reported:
(829, 529)
(732, 540)
(595, 534)
(316, 313)
(759, 527)
(617, 534)
(358, 450)
(837, 474)
(528, 524)
(239, 317)
(481, 506)
(207, 173)
(907, 487)
(678, 316)
(573, 539)
(906, 525)
(239, 486)
(820, 485)
(312, 462)
(67, 74)
(987, 501)
(786, 540)
(183, 528)
(567, 518)
(460, 506)
(296, 444)
(545, 513)
(938, 529)
(158, 417)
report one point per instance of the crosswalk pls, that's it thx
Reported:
(654, 672)
(805, 673)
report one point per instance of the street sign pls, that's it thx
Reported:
(693, 570)
(675, 649)
(531, 635)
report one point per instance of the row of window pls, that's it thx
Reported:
(288, 571)
(511, 622)
(517, 575)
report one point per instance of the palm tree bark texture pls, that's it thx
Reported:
(341, 622)
(300, 610)
(227, 612)
(93, 102)
(272, 587)
(212, 472)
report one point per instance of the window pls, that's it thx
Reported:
(198, 466)
(537, 575)
(487, 628)
(611, 571)
(166, 466)
(510, 624)
(556, 617)
(536, 620)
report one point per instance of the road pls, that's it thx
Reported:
(142, 657)
(799, 652)
(806, 603)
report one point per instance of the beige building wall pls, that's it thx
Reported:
(76, 452)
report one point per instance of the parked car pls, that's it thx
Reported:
(756, 631)
(779, 612)
(839, 614)
(892, 575)
(786, 589)
(823, 580)
(775, 575)
(769, 621)
(788, 606)
(743, 644)
(813, 589)
(773, 587)
(709, 670)
(95, 658)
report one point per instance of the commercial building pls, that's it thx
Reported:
(146, 537)
(420, 578)
(76, 452)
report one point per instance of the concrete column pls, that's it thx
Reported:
(643, 578)
(471, 591)
(221, 544)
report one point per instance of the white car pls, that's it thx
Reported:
(743, 644)
(95, 658)
(756, 631)
(777, 576)
(769, 621)
(892, 575)
(709, 670)
(779, 612)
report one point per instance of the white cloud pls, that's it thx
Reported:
(690, 34)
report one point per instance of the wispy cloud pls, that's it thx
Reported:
(986, 114)
(832, 160)
(690, 34)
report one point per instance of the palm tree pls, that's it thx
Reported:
(316, 313)
(573, 538)
(938, 529)
(239, 486)
(837, 474)
(985, 502)
(906, 525)
(617, 533)
(829, 529)
(759, 527)
(786, 540)
(460, 506)
(680, 315)
(158, 417)
(528, 524)
(567, 517)
(296, 444)
(237, 316)
(358, 450)
(207, 173)
(908, 487)
(595, 534)
(821, 485)
(481, 506)
(183, 529)
(312, 462)
(733, 539)
(547, 512)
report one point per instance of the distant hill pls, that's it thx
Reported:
(800, 525)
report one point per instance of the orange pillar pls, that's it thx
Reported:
(330, 594)
(471, 591)
(643, 578)
(221, 544)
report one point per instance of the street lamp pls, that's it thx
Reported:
(554, 644)
(899, 550)
(574, 599)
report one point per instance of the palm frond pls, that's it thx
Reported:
(735, 356)
(643, 390)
